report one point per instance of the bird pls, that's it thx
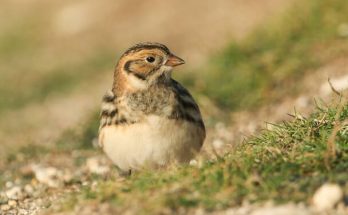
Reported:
(148, 119)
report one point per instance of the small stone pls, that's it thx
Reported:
(3, 198)
(67, 177)
(327, 196)
(288, 209)
(26, 171)
(18, 181)
(15, 193)
(95, 165)
(238, 211)
(200, 211)
(28, 189)
(302, 101)
(9, 184)
(24, 212)
(218, 144)
(193, 162)
(48, 175)
(85, 183)
(12, 203)
(5, 207)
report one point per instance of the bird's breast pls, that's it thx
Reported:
(156, 141)
(152, 101)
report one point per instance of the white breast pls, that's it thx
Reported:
(155, 142)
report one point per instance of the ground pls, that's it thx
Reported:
(48, 160)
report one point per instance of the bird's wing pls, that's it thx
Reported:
(112, 113)
(108, 109)
(187, 107)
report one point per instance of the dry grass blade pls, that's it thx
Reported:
(333, 88)
(331, 145)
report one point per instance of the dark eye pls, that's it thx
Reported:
(150, 59)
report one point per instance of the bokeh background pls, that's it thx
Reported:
(57, 57)
(247, 62)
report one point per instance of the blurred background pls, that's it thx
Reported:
(247, 62)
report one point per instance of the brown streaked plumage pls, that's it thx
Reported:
(148, 119)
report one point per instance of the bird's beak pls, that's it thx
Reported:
(174, 61)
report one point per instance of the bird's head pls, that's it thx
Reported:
(144, 65)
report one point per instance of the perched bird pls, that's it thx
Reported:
(148, 119)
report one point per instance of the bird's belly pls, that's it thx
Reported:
(155, 142)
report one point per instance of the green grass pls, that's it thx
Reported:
(267, 64)
(287, 163)
(284, 164)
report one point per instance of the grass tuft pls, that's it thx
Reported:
(286, 163)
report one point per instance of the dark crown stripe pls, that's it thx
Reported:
(147, 45)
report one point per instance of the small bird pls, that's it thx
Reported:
(149, 120)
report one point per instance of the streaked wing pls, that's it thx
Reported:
(108, 109)
(188, 108)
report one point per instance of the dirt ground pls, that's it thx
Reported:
(195, 32)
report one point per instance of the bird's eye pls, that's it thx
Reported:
(150, 59)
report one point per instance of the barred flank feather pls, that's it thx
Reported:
(111, 114)
(108, 109)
